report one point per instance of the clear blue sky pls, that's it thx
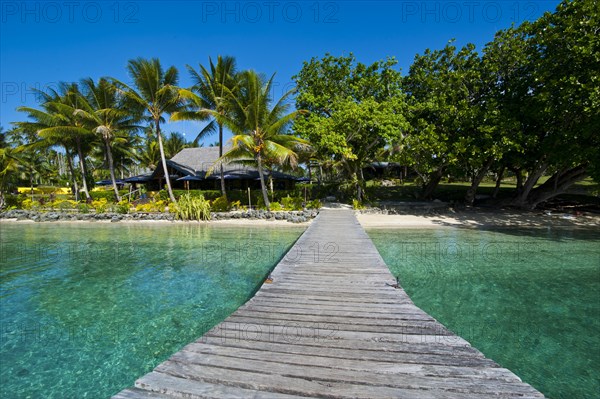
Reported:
(42, 43)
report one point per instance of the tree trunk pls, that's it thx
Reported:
(164, 162)
(476, 181)
(72, 172)
(262, 182)
(556, 185)
(434, 180)
(111, 168)
(31, 183)
(223, 192)
(537, 172)
(498, 182)
(320, 174)
(88, 197)
(519, 183)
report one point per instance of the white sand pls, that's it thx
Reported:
(400, 221)
(478, 219)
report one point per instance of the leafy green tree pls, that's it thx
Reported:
(155, 90)
(547, 87)
(449, 126)
(260, 130)
(210, 92)
(355, 110)
(565, 52)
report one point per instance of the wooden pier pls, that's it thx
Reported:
(330, 324)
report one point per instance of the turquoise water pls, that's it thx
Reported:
(529, 299)
(86, 309)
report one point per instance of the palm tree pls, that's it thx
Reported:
(58, 123)
(260, 131)
(9, 163)
(175, 143)
(210, 92)
(110, 117)
(155, 91)
(149, 154)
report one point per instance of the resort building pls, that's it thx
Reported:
(189, 167)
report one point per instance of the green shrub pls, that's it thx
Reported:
(122, 207)
(292, 203)
(220, 205)
(65, 205)
(152, 206)
(108, 195)
(172, 207)
(237, 206)
(15, 200)
(101, 205)
(314, 204)
(83, 208)
(356, 204)
(192, 208)
(206, 194)
(31, 205)
(276, 206)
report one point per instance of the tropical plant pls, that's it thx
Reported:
(260, 130)
(192, 208)
(210, 91)
(155, 90)
(220, 205)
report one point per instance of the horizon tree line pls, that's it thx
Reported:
(527, 105)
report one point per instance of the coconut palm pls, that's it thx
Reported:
(9, 162)
(260, 130)
(59, 123)
(155, 90)
(149, 154)
(210, 92)
(175, 143)
(109, 116)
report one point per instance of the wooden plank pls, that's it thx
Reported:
(331, 325)
(319, 358)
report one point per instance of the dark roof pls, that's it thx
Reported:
(139, 179)
(193, 161)
(108, 182)
(197, 161)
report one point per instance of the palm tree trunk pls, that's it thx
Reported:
(111, 168)
(164, 163)
(72, 173)
(88, 197)
(31, 182)
(263, 186)
(220, 155)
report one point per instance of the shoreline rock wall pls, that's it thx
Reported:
(61, 216)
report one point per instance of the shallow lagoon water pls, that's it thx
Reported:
(86, 309)
(529, 298)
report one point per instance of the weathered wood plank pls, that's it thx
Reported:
(330, 325)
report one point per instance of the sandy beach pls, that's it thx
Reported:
(478, 219)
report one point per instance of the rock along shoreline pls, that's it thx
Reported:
(61, 216)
